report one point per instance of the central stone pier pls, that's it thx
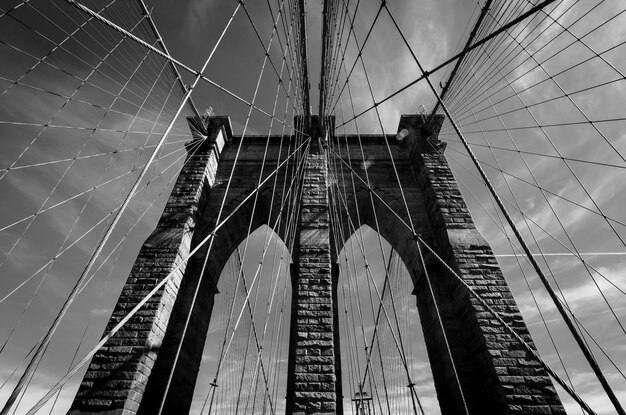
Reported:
(314, 385)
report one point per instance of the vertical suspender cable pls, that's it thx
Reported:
(32, 365)
(306, 110)
(457, 65)
(148, 15)
(568, 321)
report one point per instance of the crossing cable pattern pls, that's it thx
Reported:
(495, 19)
(602, 136)
(519, 90)
(119, 22)
(133, 79)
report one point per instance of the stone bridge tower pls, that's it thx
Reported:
(496, 374)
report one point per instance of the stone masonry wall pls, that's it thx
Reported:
(312, 377)
(118, 374)
(496, 374)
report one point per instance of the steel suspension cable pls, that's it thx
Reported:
(552, 210)
(442, 65)
(521, 254)
(552, 373)
(526, 249)
(458, 63)
(141, 303)
(549, 58)
(112, 212)
(168, 57)
(528, 348)
(400, 345)
(265, 247)
(259, 346)
(62, 247)
(512, 205)
(502, 228)
(39, 353)
(219, 214)
(154, 28)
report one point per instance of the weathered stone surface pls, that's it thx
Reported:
(496, 375)
(314, 363)
(130, 369)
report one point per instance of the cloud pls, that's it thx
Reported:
(433, 29)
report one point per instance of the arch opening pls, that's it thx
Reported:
(388, 342)
(244, 358)
(245, 238)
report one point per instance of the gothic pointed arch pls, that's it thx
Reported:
(478, 366)
(154, 361)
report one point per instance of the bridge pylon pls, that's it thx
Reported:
(478, 366)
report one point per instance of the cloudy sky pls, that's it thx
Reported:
(79, 103)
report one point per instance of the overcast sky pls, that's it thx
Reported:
(191, 28)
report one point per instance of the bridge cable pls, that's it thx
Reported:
(62, 247)
(141, 303)
(400, 346)
(526, 217)
(267, 49)
(442, 65)
(552, 209)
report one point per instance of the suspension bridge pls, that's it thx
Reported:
(299, 207)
